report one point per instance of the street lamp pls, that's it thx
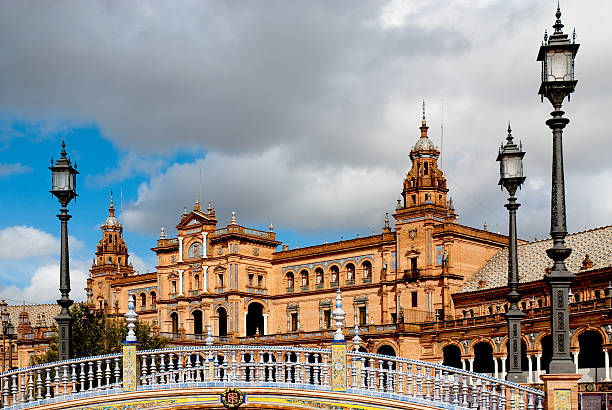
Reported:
(64, 188)
(511, 177)
(557, 55)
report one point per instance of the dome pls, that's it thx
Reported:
(424, 144)
(112, 221)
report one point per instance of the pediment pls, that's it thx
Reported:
(195, 219)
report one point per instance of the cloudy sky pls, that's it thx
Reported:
(299, 114)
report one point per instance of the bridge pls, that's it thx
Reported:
(232, 376)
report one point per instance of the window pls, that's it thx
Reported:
(143, 300)
(597, 294)
(413, 199)
(220, 280)
(415, 298)
(413, 265)
(290, 280)
(367, 270)
(304, 275)
(294, 321)
(319, 275)
(173, 286)
(195, 250)
(335, 272)
(260, 281)
(153, 298)
(363, 320)
(251, 276)
(350, 272)
(327, 318)
(393, 317)
(426, 165)
(196, 280)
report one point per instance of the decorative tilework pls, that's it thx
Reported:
(563, 399)
(310, 266)
(146, 290)
(339, 366)
(533, 261)
(129, 367)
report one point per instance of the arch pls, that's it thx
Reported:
(386, 349)
(153, 296)
(483, 357)
(350, 271)
(143, 300)
(255, 319)
(174, 320)
(591, 353)
(195, 250)
(222, 315)
(452, 356)
(366, 267)
(198, 321)
(319, 276)
(574, 342)
(304, 278)
(290, 279)
(334, 271)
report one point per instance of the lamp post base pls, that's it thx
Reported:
(64, 328)
(562, 366)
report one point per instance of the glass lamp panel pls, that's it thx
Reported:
(61, 180)
(559, 65)
(73, 182)
(512, 167)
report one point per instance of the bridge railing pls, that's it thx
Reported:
(46, 381)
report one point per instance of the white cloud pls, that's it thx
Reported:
(43, 286)
(19, 242)
(13, 169)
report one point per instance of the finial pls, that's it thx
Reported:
(485, 227)
(63, 153)
(130, 318)
(574, 36)
(209, 337)
(545, 37)
(162, 234)
(558, 25)
(509, 136)
(386, 219)
(399, 203)
(233, 218)
(185, 211)
(271, 227)
(111, 209)
(423, 121)
(339, 317)
(357, 340)
(210, 208)
(197, 205)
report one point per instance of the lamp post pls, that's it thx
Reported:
(557, 55)
(64, 188)
(4, 316)
(511, 177)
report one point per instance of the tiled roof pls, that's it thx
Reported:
(44, 313)
(533, 261)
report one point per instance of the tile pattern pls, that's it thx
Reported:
(533, 261)
(339, 366)
(44, 314)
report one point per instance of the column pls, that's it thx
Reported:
(180, 258)
(530, 374)
(495, 364)
(245, 323)
(180, 271)
(204, 245)
(607, 364)
(471, 359)
(265, 329)
(205, 278)
(538, 367)
(503, 375)
(575, 360)
(462, 364)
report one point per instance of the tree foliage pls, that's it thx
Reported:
(94, 333)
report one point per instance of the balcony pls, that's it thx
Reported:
(319, 286)
(412, 274)
(290, 289)
(350, 282)
(334, 284)
(304, 288)
(367, 280)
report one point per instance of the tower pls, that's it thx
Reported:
(112, 252)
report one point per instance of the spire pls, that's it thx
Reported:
(509, 137)
(558, 25)
(111, 209)
(424, 126)
(63, 153)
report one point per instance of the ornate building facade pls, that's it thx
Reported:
(431, 288)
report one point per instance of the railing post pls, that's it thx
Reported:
(130, 363)
(338, 380)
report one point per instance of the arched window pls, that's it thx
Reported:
(153, 298)
(196, 282)
(143, 300)
(367, 270)
(174, 322)
(304, 277)
(289, 280)
(319, 275)
(350, 272)
(195, 250)
(335, 273)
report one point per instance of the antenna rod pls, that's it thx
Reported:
(441, 136)
(200, 195)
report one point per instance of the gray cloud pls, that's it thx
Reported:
(309, 101)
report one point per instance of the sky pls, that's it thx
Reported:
(300, 114)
